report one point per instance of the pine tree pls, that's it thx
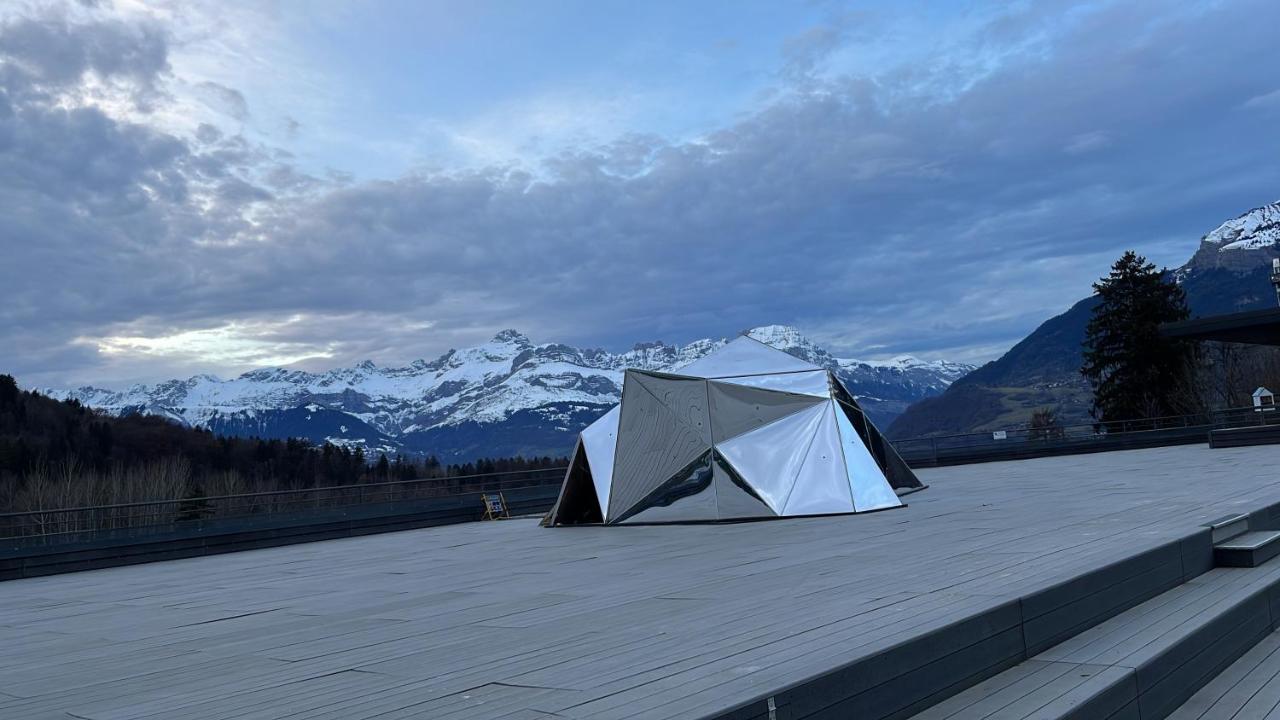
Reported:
(1133, 370)
(8, 391)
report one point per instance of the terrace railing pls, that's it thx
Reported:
(60, 525)
(1024, 442)
(66, 525)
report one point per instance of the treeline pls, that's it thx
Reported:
(64, 454)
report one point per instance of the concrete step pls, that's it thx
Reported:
(1143, 663)
(1225, 528)
(1247, 550)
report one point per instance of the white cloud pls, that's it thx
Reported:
(1265, 101)
(236, 344)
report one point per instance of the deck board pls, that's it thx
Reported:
(487, 620)
(1249, 689)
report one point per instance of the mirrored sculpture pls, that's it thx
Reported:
(745, 432)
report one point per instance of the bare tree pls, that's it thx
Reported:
(1224, 375)
(1044, 425)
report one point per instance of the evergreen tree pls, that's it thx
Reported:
(8, 391)
(1134, 371)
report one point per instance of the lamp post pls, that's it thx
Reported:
(1275, 277)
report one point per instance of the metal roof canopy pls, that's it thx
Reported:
(1256, 327)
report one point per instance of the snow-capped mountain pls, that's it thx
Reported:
(1229, 272)
(1240, 244)
(505, 397)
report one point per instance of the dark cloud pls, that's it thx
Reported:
(208, 134)
(49, 55)
(926, 208)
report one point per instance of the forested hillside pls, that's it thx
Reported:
(63, 454)
(1230, 272)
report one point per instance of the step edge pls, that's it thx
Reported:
(1205, 625)
(1265, 537)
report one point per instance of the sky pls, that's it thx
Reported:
(210, 187)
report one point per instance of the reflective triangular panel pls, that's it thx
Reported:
(735, 498)
(867, 483)
(744, 356)
(900, 475)
(769, 457)
(577, 503)
(895, 469)
(736, 409)
(685, 397)
(686, 496)
(600, 440)
(654, 443)
(842, 394)
(822, 486)
(813, 382)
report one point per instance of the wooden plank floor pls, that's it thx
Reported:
(493, 620)
(1248, 690)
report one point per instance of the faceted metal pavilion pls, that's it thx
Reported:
(745, 432)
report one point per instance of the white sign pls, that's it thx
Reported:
(1000, 435)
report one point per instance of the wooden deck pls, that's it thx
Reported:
(1248, 690)
(509, 620)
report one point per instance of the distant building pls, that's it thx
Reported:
(1264, 400)
(1255, 327)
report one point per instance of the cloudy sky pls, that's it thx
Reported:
(209, 187)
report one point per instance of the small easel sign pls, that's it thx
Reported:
(495, 506)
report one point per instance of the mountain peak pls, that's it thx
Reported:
(769, 334)
(792, 342)
(470, 401)
(1253, 230)
(510, 336)
(1240, 244)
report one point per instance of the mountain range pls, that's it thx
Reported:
(1229, 272)
(506, 397)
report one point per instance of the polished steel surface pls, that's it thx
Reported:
(770, 458)
(736, 409)
(655, 442)
(737, 499)
(867, 483)
(822, 485)
(748, 432)
(745, 356)
(686, 496)
(812, 382)
(600, 440)
(685, 397)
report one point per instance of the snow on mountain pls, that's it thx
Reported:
(1239, 245)
(505, 396)
(871, 381)
(1259, 228)
(1229, 272)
